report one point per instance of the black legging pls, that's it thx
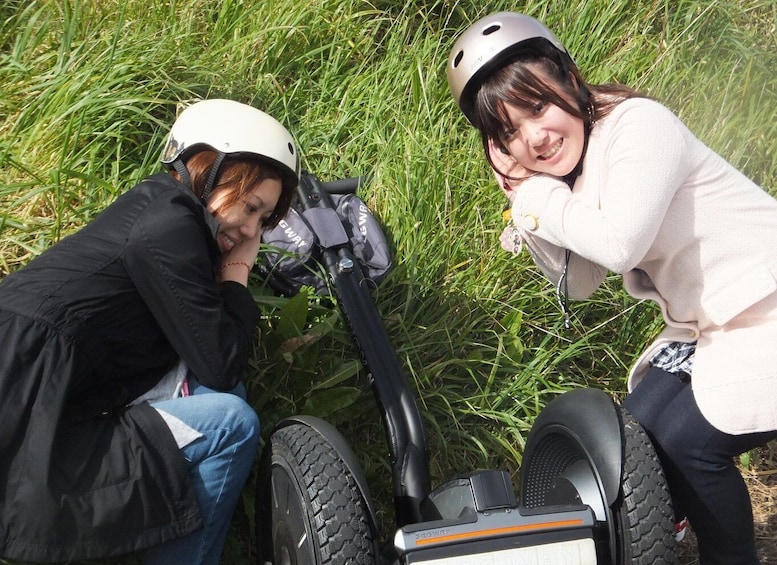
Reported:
(698, 460)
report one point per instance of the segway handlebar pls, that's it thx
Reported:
(344, 186)
(406, 435)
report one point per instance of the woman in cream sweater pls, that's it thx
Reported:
(603, 179)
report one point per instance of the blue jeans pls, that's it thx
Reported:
(219, 463)
(699, 463)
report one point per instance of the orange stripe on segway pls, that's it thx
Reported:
(501, 531)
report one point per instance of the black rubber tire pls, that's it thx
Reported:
(645, 515)
(642, 515)
(309, 509)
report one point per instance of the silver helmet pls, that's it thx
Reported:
(485, 46)
(232, 128)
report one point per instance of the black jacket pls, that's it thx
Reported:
(88, 326)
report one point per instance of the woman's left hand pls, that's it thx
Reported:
(246, 249)
(236, 264)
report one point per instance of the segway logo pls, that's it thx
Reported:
(363, 215)
(293, 236)
(431, 534)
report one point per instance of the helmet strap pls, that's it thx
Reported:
(182, 171)
(214, 171)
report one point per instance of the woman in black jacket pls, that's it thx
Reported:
(107, 445)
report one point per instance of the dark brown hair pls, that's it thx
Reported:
(237, 176)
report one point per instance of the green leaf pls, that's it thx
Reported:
(292, 317)
(345, 371)
(324, 403)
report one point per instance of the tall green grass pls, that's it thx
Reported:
(88, 89)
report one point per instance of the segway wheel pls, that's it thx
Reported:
(309, 508)
(638, 528)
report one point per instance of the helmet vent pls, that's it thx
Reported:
(492, 29)
(458, 58)
(291, 148)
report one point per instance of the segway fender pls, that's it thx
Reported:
(590, 417)
(344, 451)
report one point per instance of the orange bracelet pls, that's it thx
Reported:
(246, 265)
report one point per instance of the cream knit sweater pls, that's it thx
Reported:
(685, 229)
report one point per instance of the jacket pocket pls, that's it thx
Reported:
(738, 295)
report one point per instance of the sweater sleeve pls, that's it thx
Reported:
(643, 166)
(209, 325)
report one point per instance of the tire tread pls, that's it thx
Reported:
(337, 510)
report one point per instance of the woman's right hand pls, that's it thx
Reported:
(506, 166)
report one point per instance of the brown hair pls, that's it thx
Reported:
(537, 74)
(239, 176)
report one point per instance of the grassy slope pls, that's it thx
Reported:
(88, 88)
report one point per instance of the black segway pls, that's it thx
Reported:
(592, 490)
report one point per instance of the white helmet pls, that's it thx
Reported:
(230, 127)
(485, 46)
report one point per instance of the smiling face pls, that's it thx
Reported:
(244, 218)
(544, 139)
(536, 109)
